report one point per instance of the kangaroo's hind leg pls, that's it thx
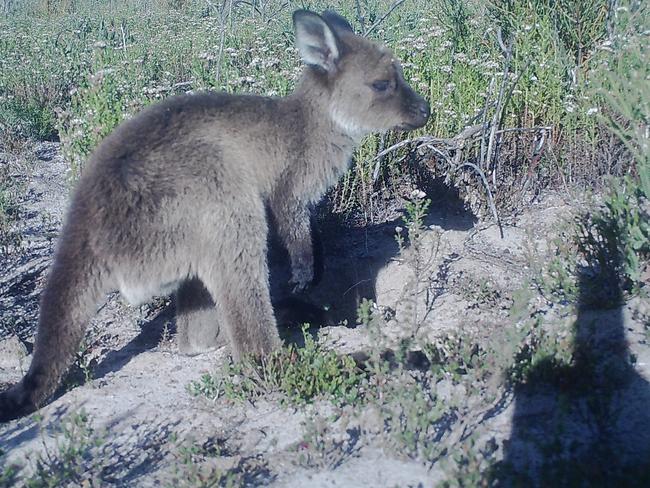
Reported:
(237, 277)
(197, 325)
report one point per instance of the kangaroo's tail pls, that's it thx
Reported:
(74, 287)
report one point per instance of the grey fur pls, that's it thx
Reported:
(176, 198)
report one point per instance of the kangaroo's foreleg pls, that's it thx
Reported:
(292, 218)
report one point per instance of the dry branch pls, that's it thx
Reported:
(451, 150)
(383, 17)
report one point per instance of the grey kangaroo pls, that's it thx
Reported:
(176, 199)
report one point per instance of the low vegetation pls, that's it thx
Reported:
(74, 70)
(298, 374)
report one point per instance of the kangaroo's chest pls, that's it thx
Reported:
(323, 170)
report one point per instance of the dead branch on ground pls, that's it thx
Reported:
(453, 151)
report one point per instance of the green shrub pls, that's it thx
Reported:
(615, 239)
(300, 374)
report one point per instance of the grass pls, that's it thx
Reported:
(82, 456)
(75, 72)
(190, 471)
(8, 238)
(10, 190)
(72, 461)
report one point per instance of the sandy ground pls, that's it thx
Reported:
(138, 397)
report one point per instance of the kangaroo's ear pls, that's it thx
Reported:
(337, 22)
(316, 41)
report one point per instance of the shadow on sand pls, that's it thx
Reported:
(587, 424)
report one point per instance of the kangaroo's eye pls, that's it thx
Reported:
(381, 85)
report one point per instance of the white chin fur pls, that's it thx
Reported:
(347, 125)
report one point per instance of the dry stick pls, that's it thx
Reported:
(222, 39)
(250, 4)
(123, 38)
(360, 18)
(507, 52)
(390, 11)
(504, 103)
(457, 143)
(380, 159)
(484, 125)
(512, 89)
(493, 207)
(469, 133)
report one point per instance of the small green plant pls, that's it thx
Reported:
(470, 465)
(541, 356)
(74, 461)
(10, 189)
(209, 386)
(554, 271)
(318, 449)
(419, 254)
(456, 357)
(9, 239)
(8, 474)
(81, 370)
(415, 211)
(300, 374)
(413, 416)
(191, 471)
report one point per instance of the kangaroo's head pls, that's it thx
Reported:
(363, 81)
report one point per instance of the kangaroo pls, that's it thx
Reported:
(176, 198)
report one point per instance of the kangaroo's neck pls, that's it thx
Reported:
(327, 144)
(321, 109)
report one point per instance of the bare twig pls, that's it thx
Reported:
(445, 147)
(396, 4)
(512, 88)
(380, 158)
(539, 128)
(459, 141)
(488, 103)
(250, 4)
(360, 18)
(223, 18)
(507, 53)
(406, 142)
(505, 50)
(123, 38)
(182, 84)
(486, 185)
